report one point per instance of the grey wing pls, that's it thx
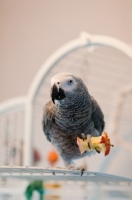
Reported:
(97, 116)
(48, 119)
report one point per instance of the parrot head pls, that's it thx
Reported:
(66, 89)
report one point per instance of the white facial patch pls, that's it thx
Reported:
(58, 77)
(54, 80)
(68, 84)
(64, 81)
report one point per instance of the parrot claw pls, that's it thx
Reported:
(83, 136)
(72, 167)
(97, 150)
(88, 138)
(81, 169)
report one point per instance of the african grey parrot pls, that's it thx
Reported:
(72, 113)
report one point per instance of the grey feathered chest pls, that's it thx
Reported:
(70, 123)
(75, 119)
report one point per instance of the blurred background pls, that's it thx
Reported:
(30, 31)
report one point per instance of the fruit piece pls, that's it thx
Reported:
(100, 143)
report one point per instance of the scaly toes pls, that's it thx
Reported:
(72, 167)
(81, 168)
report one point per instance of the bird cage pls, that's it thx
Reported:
(105, 66)
(12, 116)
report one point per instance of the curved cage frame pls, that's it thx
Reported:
(13, 104)
(85, 40)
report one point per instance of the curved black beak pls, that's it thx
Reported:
(57, 94)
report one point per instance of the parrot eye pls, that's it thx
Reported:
(58, 83)
(70, 81)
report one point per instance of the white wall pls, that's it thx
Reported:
(31, 30)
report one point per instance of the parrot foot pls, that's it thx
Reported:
(72, 167)
(88, 137)
(83, 136)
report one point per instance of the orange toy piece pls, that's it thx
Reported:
(52, 157)
(100, 143)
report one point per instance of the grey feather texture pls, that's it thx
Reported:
(71, 112)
